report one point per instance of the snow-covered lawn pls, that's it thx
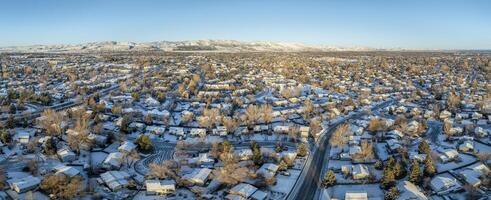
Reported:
(373, 190)
(285, 183)
(482, 148)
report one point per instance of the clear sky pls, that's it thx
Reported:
(413, 24)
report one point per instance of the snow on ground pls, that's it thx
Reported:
(466, 159)
(373, 190)
(337, 164)
(285, 183)
(482, 148)
(170, 138)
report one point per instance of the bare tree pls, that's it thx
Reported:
(338, 138)
(230, 124)
(251, 115)
(52, 122)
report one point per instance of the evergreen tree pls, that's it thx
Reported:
(11, 122)
(415, 176)
(5, 137)
(144, 143)
(49, 147)
(392, 194)
(388, 179)
(400, 170)
(390, 163)
(329, 179)
(379, 165)
(430, 168)
(282, 166)
(257, 156)
(424, 147)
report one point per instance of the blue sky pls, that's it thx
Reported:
(415, 24)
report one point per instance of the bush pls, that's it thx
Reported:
(302, 150)
(144, 144)
(329, 179)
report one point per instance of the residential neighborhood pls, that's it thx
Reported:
(261, 126)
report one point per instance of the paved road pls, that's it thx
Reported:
(308, 183)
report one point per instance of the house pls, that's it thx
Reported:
(115, 180)
(472, 174)
(355, 196)
(198, 132)
(304, 131)
(480, 132)
(203, 159)
(160, 187)
(410, 191)
(259, 195)
(151, 102)
(445, 114)
(179, 131)
(448, 155)
(267, 170)
(127, 147)
(243, 154)
(66, 170)
(360, 171)
(242, 190)
(66, 155)
(24, 184)
(198, 176)
(22, 137)
(281, 129)
(113, 160)
(220, 130)
(157, 130)
(466, 146)
(444, 185)
(288, 154)
(98, 139)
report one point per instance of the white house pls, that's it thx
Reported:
(66, 170)
(243, 190)
(24, 184)
(198, 132)
(66, 155)
(268, 170)
(113, 160)
(356, 196)
(360, 171)
(160, 187)
(443, 184)
(115, 180)
(127, 147)
(198, 176)
(243, 154)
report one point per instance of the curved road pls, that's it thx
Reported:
(308, 183)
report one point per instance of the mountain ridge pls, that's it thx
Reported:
(182, 46)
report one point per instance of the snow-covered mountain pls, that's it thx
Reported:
(177, 46)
